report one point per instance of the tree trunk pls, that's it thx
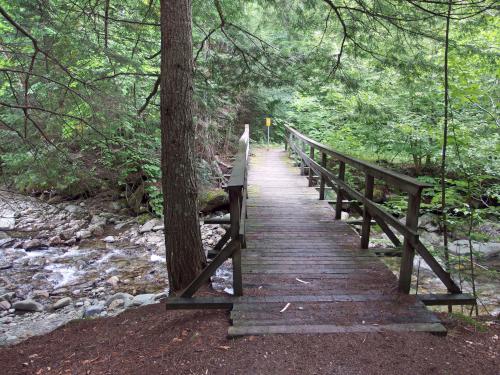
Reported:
(185, 256)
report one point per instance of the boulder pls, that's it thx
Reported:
(143, 299)
(63, 302)
(32, 244)
(96, 230)
(27, 305)
(149, 225)
(84, 233)
(73, 209)
(116, 304)
(429, 222)
(40, 294)
(344, 215)
(98, 220)
(109, 239)
(113, 281)
(8, 296)
(55, 241)
(4, 305)
(127, 298)
(213, 200)
(93, 310)
(161, 296)
(7, 223)
(487, 249)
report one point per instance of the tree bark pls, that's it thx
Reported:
(185, 256)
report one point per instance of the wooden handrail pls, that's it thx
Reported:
(237, 189)
(403, 182)
(238, 174)
(371, 209)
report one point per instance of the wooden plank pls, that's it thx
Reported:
(365, 230)
(447, 299)
(237, 331)
(195, 303)
(322, 179)
(210, 269)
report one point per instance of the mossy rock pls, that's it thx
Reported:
(213, 200)
(379, 195)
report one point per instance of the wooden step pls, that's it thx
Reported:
(236, 331)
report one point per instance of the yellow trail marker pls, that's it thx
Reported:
(268, 121)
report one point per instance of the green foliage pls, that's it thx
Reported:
(90, 128)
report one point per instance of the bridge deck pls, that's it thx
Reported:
(304, 272)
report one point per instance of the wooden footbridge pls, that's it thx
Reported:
(297, 268)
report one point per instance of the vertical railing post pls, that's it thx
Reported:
(310, 174)
(302, 164)
(406, 268)
(322, 178)
(234, 212)
(286, 140)
(338, 204)
(365, 229)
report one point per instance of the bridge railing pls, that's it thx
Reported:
(308, 150)
(230, 244)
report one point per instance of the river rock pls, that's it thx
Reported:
(113, 281)
(63, 302)
(4, 305)
(32, 244)
(40, 294)
(160, 296)
(73, 209)
(96, 230)
(84, 233)
(429, 222)
(4, 265)
(127, 298)
(8, 296)
(149, 225)
(99, 220)
(93, 310)
(55, 241)
(109, 239)
(487, 249)
(143, 299)
(7, 223)
(213, 200)
(116, 304)
(27, 305)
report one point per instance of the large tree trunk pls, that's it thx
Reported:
(185, 256)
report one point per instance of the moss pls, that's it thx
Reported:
(141, 219)
(477, 325)
(213, 199)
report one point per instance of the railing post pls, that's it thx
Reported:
(286, 140)
(234, 211)
(322, 180)
(311, 156)
(365, 229)
(338, 204)
(406, 268)
(302, 164)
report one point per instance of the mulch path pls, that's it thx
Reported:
(150, 340)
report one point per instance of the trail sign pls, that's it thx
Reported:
(268, 121)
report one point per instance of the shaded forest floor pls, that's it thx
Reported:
(150, 340)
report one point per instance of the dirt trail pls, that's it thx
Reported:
(150, 340)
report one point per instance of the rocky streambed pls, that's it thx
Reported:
(60, 262)
(486, 258)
